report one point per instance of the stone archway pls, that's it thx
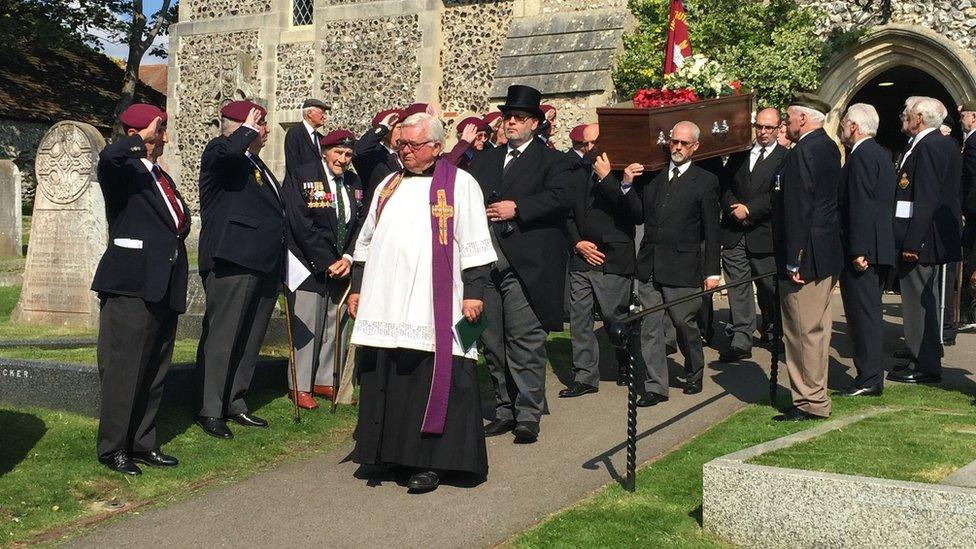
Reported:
(890, 46)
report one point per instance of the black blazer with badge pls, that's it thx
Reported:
(755, 190)
(679, 217)
(599, 216)
(929, 179)
(542, 186)
(241, 216)
(312, 230)
(146, 254)
(806, 223)
(867, 200)
(299, 148)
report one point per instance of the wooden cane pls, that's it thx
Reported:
(296, 413)
(337, 348)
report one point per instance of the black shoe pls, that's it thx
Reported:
(499, 427)
(796, 414)
(526, 432)
(424, 481)
(214, 426)
(913, 376)
(120, 462)
(248, 419)
(622, 376)
(155, 457)
(948, 342)
(902, 353)
(578, 389)
(692, 388)
(857, 390)
(735, 355)
(651, 399)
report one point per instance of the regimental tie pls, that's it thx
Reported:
(341, 214)
(170, 196)
(760, 158)
(514, 153)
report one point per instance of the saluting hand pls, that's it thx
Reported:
(252, 118)
(339, 269)
(469, 133)
(151, 132)
(389, 120)
(471, 309)
(353, 303)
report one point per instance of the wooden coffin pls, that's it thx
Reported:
(631, 135)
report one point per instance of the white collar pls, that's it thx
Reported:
(769, 148)
(859, 141)
(308, 127)
(806, 134)
(521, 148)
(681, 169)
(918, 137)
(968, 135)
(149, 165)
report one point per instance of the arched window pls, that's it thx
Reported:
(301, 12)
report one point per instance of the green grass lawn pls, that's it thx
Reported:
(13, 330)
(665, 511)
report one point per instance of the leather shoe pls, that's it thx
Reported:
(578, 389)
(734, 355)
(214, 426)
(913, 376)
(305, 400)
(155, 457)
(499, 427)
(651, 399)
(857, 390)
(692, 388)
(120, 462)
(424, 481)
(323, 391)
(526, 432)
(796, 414)
(902, 353)
(248, 420)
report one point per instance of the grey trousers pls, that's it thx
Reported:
(314, 334)
(515, 349)
(239, 305)
(920, 315)
(739, 264)
(612, 294)
(684, 317)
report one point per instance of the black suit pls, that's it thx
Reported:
(300, 148)
(866, 203)
(242, 241)
(968, 194)
(372, 160)
(524, 299)
(748, 247)
(679, 250)
(141, 281)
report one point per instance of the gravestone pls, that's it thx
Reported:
(11, 223)
(68, 230)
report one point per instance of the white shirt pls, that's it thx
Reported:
(332, 189)
(918, 137)
(681, 169)
(396, 304)
(149, 166)
(521, 150)
(859, 141)
(313, 135)
(806, 134)
(754, 154)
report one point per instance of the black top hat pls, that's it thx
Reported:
(523, 98)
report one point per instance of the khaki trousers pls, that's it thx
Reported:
(807, 325)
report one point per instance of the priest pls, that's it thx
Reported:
(420, 266)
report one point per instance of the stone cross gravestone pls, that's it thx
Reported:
(10, 210)
(68, 230)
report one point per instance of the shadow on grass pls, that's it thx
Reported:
(696, 514)
(20, 433)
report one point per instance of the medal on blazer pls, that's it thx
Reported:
(315, 195)
(257, 176)
(776, 183)
(903, 182)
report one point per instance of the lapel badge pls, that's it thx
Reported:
(776, 183)
(257, 176)
(904, 182)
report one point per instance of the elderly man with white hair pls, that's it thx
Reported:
(302, 140)
(679, 255)
(867, 193)
(420, 269)
(809, 254)
(928, 233)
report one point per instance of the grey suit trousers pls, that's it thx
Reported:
(684, 317)
(314, 334)
(739, 264)
(611, 292)
(920, 300)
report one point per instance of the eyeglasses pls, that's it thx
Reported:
(760, 128)
(401, 144)
(677, 142)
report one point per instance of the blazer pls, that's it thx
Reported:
(146, 253)
(242, 219)
(299, 149)
(867, 203)
(541, 185)
(755, 190)
(312, 236)
(599, 216)
(806, 223)
(681, 244)
(929, 179)
(373, 162)
(968, 184)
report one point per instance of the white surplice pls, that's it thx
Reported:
(396, 307)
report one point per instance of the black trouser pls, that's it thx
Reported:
(861, 293)
(135, 346)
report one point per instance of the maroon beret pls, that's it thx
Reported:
(576, 134)
(140, 115)
(383, 114)
(414, 109)
(546, 108)
(337, 138)
(482, 126)
(490, 117)
(238, 110)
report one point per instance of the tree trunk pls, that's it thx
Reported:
(130, 75)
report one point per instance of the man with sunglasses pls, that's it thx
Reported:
(747, 235)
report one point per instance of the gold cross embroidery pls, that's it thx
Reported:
(442, 212)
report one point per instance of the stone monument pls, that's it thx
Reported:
(68, 230)
(11, 224)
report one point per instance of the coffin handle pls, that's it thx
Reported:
(720, 130)
(661, 140)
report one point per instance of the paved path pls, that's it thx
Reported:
(581, 448)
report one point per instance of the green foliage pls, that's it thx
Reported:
(771, 47)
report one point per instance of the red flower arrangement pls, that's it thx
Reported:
(651, 99)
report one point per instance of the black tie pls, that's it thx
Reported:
(315, 141)
(760, 158)
(675, 173)
(514, 153)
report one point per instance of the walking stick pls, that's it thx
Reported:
(337, 347)
(296, 414)
(942, 285)
(957, 314)
(777, 342)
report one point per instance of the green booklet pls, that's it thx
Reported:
(467, 333)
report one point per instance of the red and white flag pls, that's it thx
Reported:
(677, 48)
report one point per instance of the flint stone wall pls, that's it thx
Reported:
(956, 20)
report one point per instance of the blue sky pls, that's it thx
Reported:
(122, 50)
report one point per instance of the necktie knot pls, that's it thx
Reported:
(514, 153)
(675, 173)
